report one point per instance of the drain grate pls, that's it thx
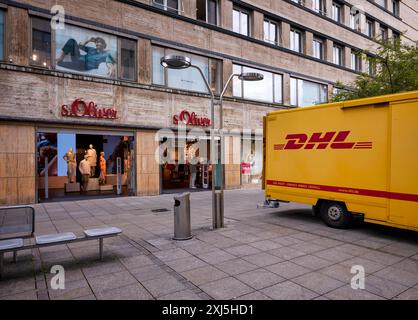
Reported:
(160, 210)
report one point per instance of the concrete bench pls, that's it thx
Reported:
(17, 224)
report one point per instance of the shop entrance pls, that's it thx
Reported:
(186, 165)
(75, 164)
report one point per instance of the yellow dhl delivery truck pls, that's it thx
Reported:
(347, 159)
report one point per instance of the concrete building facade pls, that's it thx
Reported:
(75, 73)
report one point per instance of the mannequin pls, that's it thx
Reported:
(92, 159)
(71, 165)
(102, 161)
(84, 168)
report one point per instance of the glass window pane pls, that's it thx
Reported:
(172, 5)
(237, 83)
(292, 40)
(278, 88)
(86, 51)
(297, 41)
(273, 31)
(266, 31)
(1, 35)
(157, 68)
(244, 24)
(259, 90)
(212, 12)
(293, 92)
(41, 43)
(128, 55)
(189, 79)
(201, 10)
(235, 21)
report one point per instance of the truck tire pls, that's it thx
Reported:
(335, 215)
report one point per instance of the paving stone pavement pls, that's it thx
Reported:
(281, 253)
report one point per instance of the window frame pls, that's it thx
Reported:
(337, 6)
(370, 32)
(322, 47)
(395, 7)
(340, 55)
(206, 12)
(297, 105)
(53, 48)
(3, 13)
(242, 12)
(321, 4)
(276, 27)
(383, 32)
(165, 7)
(211, 77)
(355, 57)
(242, 96)
(301, 33)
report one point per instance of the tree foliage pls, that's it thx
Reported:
(396, 70)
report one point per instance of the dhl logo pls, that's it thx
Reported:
(336, 140)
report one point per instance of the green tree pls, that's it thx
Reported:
(396, 70)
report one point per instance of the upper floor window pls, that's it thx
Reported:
(370, 66)
(383, 33)
(336, 12)
(307, 93)
(241, 21)
(337, 55)
(296, 40)
(1, 35)
(269, 89)
(186, 79)
(318, 48)
(395, 7)
(168, 5)
(396, 37)
(301, 2)
(41, 43)
(318, 6)
(355, 61)
(207, 10)
(84, 51)
(370, 28)
(354, 21)
(270, 31)
(381, 3)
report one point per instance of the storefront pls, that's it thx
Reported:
(110, 159)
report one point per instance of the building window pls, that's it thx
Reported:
(127, 59)
(268, 90)
(41, 43)
(241, 23)
(396, 38)
(1, 35)
(355, 21)
(168, 5)
(355, 61)
(84, 51)
(306, 93)
(383, 33)
(318, 6)
(370, 66)
(296, 40)
(318, 48)
(336, 12)
(395, 7)
(207, 11)
(370, 28)
(381, 3)
(301, 2)
(270, 32)
(337, 55)
(186, 79)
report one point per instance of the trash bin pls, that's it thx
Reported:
(182, 226)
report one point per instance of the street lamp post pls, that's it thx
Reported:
(182, 62)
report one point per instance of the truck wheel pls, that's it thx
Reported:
(335, 215)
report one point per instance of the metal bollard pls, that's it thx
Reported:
(182, 226)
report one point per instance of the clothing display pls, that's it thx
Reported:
(92, 159)
(70, 157)
(102, 161)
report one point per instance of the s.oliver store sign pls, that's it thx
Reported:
(191, 118)
(80, 108)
